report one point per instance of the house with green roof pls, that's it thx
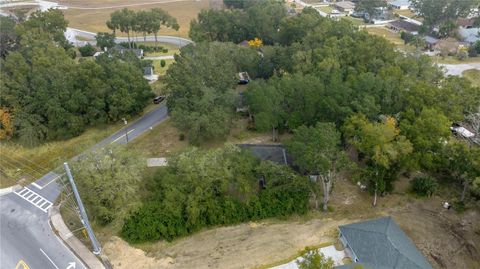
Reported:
(380, 244)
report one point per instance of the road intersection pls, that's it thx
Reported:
(26, 235)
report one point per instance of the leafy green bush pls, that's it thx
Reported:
(87, 50)
(424, 186)
(219, 187)
(162, 63)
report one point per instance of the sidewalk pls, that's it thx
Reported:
(80, 250)
(9, 189)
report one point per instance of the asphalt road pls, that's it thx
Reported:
(24, 225)
(71, 34)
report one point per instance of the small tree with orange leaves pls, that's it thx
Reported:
(6, 127)
(255, 42)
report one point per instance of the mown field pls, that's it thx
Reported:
(91, 15)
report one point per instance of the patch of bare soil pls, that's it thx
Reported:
(446, 238)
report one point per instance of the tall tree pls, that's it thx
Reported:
(8, 36)
(316, 151)
(266, 104)
(161, 18)
(107, 179)
(428, 133)
(105, 40)
(200, 85)
(382, 144)
(52, 22)
(123, 20)
(463, 163)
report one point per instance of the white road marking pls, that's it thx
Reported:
(34, 198)
(41, 187)
(37, 186)
(118, 138)
(49, 258)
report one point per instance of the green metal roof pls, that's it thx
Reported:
(381, 244)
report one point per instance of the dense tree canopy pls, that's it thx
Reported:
(261, 20)
(108, 178)
(51, 96)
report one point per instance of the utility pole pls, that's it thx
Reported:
(126, 131)
(83, 214)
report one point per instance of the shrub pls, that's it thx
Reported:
(424, 186)
(87, 50)
(162, 63)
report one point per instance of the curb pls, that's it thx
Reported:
(78, 248)
(9, 189)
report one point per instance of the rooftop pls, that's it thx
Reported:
(380, 243)
(405, 25)
(345, 4)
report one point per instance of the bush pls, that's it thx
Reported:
(87, 50)
(462, 55)
(424, 186)
(162, 63)
(472, 51)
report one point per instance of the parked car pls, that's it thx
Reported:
(243, 78)
(158, 99)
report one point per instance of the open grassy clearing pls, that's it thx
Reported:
(390, 36)
(473, 75)
(94, 19)
(158, 69)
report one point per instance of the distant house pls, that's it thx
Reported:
(400, 4)
(345, 6)
(122, 50)
(268, 152)
(380, 244)
(430, 42)
(405, 26)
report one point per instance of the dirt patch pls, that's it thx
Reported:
(128, 257)
(447, 239)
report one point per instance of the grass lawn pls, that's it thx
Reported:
(355, 21)
(94, 19)
(390, 36)
(454, 60)
(473, 75)
(326, 9)
(158, 69)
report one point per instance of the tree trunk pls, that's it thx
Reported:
(375, 196)
(155, 40)
(327, 184)
(145, 37)
(128, 37)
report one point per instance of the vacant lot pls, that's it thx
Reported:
(91, 15)
(446, 238)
